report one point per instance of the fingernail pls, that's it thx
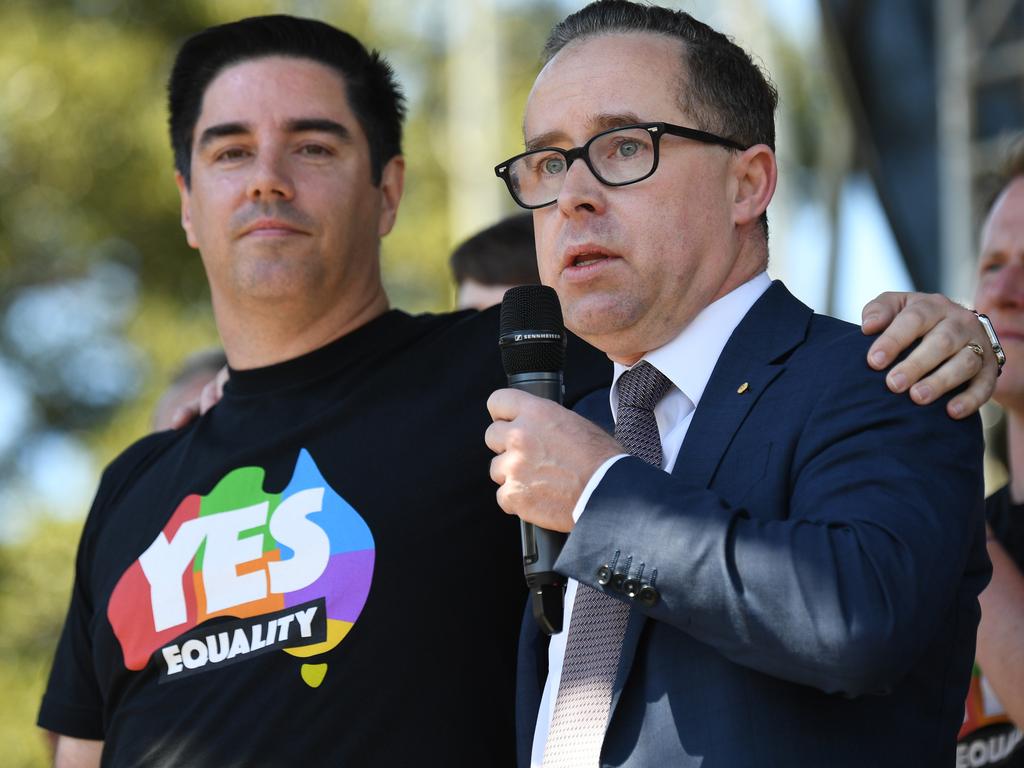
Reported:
(921, 392)
(897, 381)
(869, 318)
(957, 409)
(878, 357)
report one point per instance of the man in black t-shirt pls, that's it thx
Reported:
(314, 573)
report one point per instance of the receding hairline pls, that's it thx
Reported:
(682, 80)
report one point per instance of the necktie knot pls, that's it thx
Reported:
(642, 386)
(640, 389)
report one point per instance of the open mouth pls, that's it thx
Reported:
(582, 256)
(587, 259)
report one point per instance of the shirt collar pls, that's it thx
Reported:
(690, 357)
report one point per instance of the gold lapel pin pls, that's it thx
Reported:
(743, 388)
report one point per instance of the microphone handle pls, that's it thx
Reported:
(541, 547)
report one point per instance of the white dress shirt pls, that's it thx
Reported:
(687, 361)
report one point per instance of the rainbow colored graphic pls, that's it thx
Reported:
(242, 552)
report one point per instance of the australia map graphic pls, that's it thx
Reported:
(241, 572)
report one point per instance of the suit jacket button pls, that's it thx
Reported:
(648, 595)
(631, 587)
(604, 575)
(617, 581)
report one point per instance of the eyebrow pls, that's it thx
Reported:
(298, 125)
(604, 121)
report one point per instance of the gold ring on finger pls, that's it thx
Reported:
(976, 349)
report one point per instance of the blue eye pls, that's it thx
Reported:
(553, 165)
(629, 148)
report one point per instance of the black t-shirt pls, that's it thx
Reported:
(314, 573)
(988, 737)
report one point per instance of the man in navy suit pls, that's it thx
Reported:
(786, 572)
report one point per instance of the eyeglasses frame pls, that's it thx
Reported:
(657, 130)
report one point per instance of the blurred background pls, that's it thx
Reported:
(893, 116)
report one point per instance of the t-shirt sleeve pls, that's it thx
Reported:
(72, 704)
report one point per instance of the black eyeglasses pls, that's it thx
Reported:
(616, 157)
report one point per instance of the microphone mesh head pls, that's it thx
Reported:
(531, 308)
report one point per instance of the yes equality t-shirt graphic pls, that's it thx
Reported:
(288, 571)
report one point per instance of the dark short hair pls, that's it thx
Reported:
(370, 85)
(502, 254)
(725, 91)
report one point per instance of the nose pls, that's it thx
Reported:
(270, 179)
(581, 191)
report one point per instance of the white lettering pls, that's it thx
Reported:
(305, 619)
(163, 564)
(282, 626)
(310, 545)
(172, 657)
(247, 637)
(977, 754)
(193, 653)
(218, 646)
(982, 752)
(239, 643)
(257, 637)
(226, 550)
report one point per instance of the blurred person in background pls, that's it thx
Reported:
(494, 260)
(181, 395)
(991, 734)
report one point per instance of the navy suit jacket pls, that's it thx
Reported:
(818, 550)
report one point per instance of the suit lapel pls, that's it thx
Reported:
(755, 354)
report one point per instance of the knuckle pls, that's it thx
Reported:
(945, 341)
(916, 313)
(515, 439)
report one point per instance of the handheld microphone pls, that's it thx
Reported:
(532, 342)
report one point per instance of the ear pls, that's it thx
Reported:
(392, 182)
(756, 173)
(186, 209)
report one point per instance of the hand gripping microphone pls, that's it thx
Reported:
(532, 342)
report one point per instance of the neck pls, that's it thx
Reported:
(273, 334)
(1015, 445)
